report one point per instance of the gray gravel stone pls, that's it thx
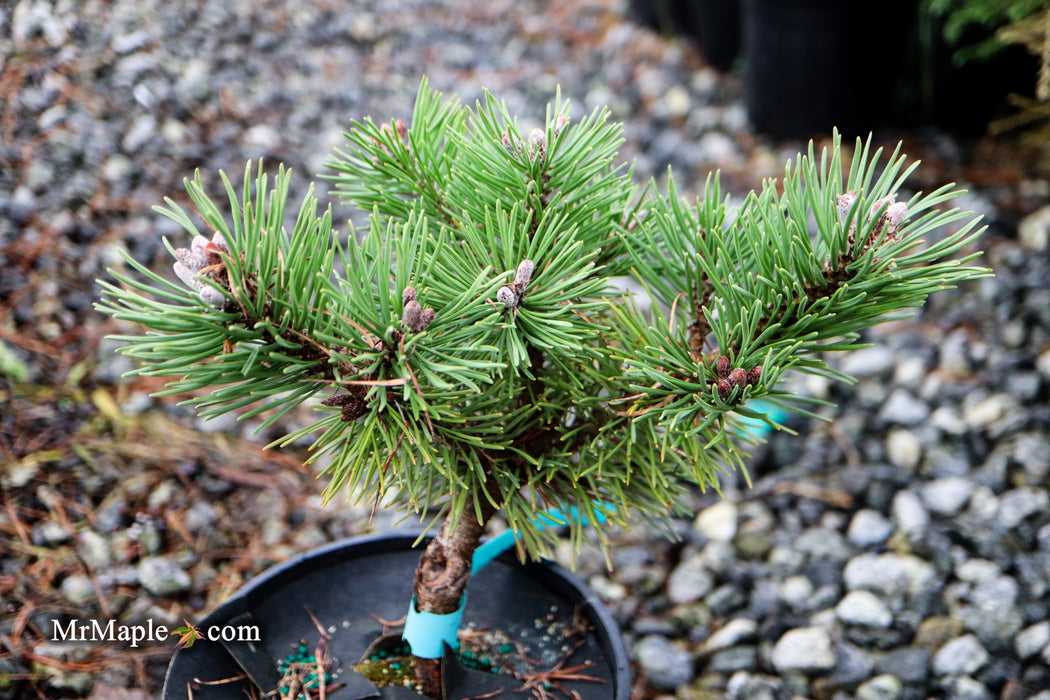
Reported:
(965, 688)
(733, 659)
(864, 608)
(947, 496)
(869, 528)
(909, 512)
(161, 576)
(903, 449)
(718, 521)
(50, 533)
(78, 589)
(797, 592)
(689, 581)
(731, 634)
(95, 550)
(903, 408)
(1031, 640)
(962, 655)
(891, 575)
(806, 649)
(1020, 503)
(882, 687)
(910, 664)
(869, 362)
(664, 664)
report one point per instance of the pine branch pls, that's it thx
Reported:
(469, 351)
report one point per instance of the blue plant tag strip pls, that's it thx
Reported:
(756, 428)
(552, 518)
(427, 633)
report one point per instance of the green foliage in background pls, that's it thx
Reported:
(474, 350)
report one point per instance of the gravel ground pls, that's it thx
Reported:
(900, 551)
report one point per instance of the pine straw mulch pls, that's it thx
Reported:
(73, 463)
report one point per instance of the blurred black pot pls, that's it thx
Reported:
(713, 24)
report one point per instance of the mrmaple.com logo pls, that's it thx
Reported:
(133, 635)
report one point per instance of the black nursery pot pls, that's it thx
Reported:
(350, 587)
(817, 64)
(798, 82)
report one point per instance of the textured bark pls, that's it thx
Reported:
(441, 579)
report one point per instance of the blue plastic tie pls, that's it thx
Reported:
(554, 517)
(427, 632)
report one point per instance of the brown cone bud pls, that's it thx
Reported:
(754, 374)
(409, 294)
(353, 410)
(722, 367)
(426, 318)
(724, 388)
(411, 317)
(738, 377)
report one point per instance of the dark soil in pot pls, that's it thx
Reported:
(352, 588)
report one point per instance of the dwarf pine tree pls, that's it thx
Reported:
(470, 353)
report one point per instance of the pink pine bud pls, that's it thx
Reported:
(879, 203)
(845, 201)
(212, 296)
(895, 215)
(401, 129)
(560, 122)
(538, 144)
(509, 143)
(523, 275)
(198, 244)
(184, 272)
(411, 317)
(507, 297)
(408, 294)
(426, 318)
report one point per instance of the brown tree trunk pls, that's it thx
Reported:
(441, 579)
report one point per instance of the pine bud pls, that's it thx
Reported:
(738, 377)
(754, 374)
(411, 317)
(523, 275)
(212, 296)
(724, 388)
(401, 129)
(878, 203)
(560, 122)
(722, 367)
(895, 216)
(509, 144)
(507, 297)
(845, 201)
(409, 294)
(353, 410)
(426, 318)
(538, 145)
